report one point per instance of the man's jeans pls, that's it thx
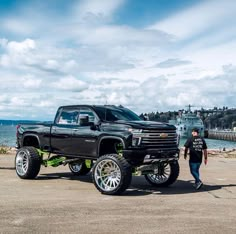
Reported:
(194, 169)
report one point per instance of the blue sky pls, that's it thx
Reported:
(153, 55)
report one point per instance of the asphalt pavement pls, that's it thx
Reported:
(59, 202)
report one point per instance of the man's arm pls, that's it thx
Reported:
(186, 145)
(205, 156)
(185, 152)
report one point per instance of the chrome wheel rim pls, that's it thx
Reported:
(107, 175)
(75, 167)
(22, 163)
(160, 176)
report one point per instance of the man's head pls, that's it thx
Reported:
(195, 131)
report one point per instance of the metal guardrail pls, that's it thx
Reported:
(222, 135)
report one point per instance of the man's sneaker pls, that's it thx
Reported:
(199, 185)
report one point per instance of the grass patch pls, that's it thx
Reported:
(4, 149)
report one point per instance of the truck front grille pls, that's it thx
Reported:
(159, 138)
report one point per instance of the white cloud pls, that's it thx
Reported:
(70, 83)
(17, 53)
(203, 17)
(123, 35)
(20, 47)
(18, 101)
(4, 98)
(31, 82)
(17, 25)
(52, 64)
(3, 42)
(85, 55)
(172, 63)
(96, 9)
(45, 103)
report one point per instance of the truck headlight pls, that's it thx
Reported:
(136, 141)
(136, 136)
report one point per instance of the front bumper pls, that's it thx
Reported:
(138, 156)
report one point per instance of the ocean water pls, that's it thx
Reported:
(215, 144)
(8, 138)
(8, 135)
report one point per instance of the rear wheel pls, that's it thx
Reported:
(27, 162)
(164, 175)
(79, 168)
(111, 174)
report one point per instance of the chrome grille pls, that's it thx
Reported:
(160, 138)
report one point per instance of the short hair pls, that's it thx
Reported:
(195, 130)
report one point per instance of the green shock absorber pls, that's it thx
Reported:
(88, 163)
(119, 149)
(41, 153)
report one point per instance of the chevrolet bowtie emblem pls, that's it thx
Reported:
(163, 135)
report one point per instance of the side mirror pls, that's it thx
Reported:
(84, 120)
(95, 126)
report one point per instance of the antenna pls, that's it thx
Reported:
(189, 107)
(105, 98)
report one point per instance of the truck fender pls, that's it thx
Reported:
(31, 135)
(110, 138)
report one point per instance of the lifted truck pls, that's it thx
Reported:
(111, 141)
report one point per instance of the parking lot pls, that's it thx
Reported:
(58, 202)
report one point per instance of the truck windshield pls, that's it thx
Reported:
(116, 114)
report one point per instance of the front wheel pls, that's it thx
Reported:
(164, 175)
(111, 174)
(27, 162)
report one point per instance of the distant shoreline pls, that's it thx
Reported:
(231, 153)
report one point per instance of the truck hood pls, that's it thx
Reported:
(146, 124)
(150, 125)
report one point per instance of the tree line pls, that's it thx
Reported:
(220, 118)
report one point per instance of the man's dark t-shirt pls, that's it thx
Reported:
(196, 145)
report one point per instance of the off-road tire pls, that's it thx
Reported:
(27, 162)
(111, 174)
(79, 168)
(162, 178)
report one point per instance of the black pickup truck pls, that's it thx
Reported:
(111, 141)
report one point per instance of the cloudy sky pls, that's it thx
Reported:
(152, 55)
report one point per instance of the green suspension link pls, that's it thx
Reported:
(54, 161)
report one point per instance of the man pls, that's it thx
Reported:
(196, 146)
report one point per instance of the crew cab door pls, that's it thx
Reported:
(61, 131)
(71, 135)
(84, 140)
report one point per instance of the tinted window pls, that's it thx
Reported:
(115, 113)
(68, 117)
(87, 112)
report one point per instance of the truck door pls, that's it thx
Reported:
(61, 131)
(84, 140)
